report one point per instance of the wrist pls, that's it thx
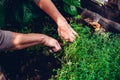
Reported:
(42, 38)
(61, 21)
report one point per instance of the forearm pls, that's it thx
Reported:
(20, 41)
(48, 7)
(64, 29)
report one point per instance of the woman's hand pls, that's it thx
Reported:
(66, 32)
(52, 43)
(64, 29)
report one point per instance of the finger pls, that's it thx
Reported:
(66, 37)
(75, 33)
(51, 51)
(69, 38)
(54, 49)
(57, 47)
(72, 38)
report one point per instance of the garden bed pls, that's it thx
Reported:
(92, 56)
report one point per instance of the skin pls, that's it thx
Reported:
(2, 77)
(64, 29)
(20, 41)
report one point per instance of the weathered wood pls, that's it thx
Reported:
(109, 25)
(110, 11)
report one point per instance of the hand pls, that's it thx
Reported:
(52, 43)
(66, 32)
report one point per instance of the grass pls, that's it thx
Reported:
(90, 57)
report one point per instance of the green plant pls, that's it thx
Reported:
(93, 57)
(1, 13)
(90, 57)
(70, 6)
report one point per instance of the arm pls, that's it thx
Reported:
(20, 41)
(64, 29)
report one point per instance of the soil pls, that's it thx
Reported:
(24, 66)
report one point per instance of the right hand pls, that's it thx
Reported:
(66, 32)
(52, 43)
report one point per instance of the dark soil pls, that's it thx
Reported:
(24, 66)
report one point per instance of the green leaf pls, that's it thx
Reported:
(24, 13)
(2, 16)
(70, 9)
(27, 14)
(75, 3)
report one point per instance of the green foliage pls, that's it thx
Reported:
(72, 2)
(1, 13)
(90, 57)
(27, 14)
(70, 9)
(21, 10)
(70, 6)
